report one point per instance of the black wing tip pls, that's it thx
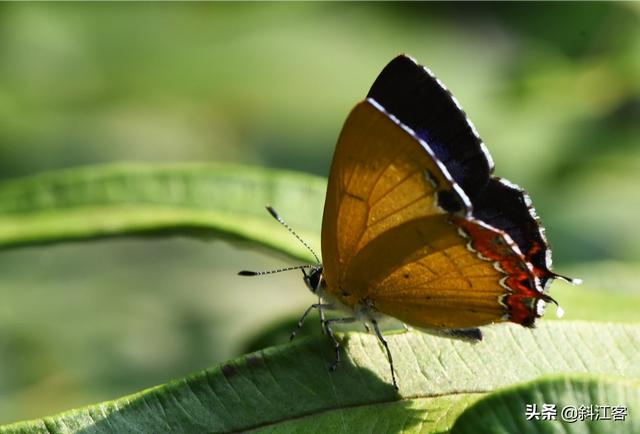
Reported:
(247, 273)
(400, 66)
(404, 57)
(411, 93)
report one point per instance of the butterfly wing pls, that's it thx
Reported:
(374, 186)
(419, 100)
(449, 273)
(422, 273)
(398, 234)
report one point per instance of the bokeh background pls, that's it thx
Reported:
(553, 89)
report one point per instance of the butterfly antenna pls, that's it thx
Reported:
(275, 215)
(278, 270)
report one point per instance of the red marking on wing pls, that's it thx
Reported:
(522, 290)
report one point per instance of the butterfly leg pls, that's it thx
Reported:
(321, 311)
(336, 345)
(306, 313)
(386, 347)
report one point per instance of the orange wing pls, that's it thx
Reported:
(380, 178)
(395, 232)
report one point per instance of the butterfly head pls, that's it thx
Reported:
(313, 279)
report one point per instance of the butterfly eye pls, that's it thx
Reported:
(313, 279)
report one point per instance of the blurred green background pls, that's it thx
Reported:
(553, 89)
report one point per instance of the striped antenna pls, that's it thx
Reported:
(279, 270)
(275, 215)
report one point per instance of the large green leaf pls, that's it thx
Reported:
(289, 388)
(195, 200)
(577, 404)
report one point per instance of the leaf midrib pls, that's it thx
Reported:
(381, 403)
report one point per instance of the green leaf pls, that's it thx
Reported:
(192, 199)
(289, 388)
(578, 407)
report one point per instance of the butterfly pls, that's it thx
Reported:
(416, 227)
